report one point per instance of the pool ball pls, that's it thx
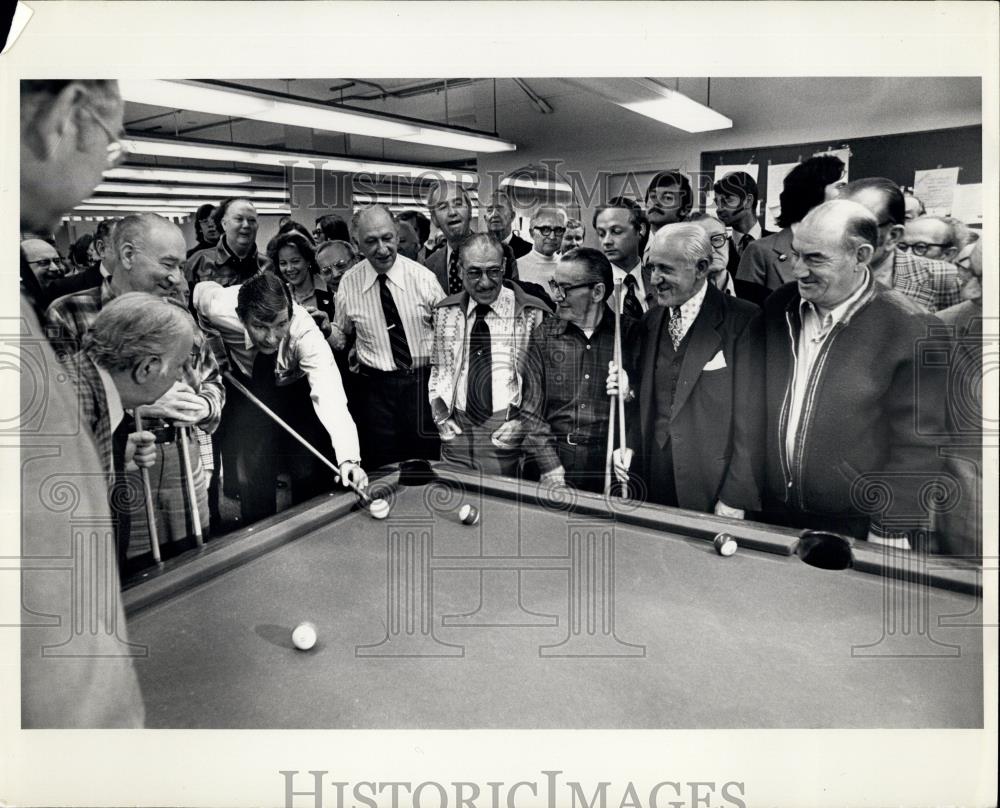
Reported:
(379, 509)
(725, 545)
(304, 636)
(468, 515)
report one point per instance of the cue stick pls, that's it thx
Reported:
(147, 490)
(621, 371)
(278, 420)
(611, 448)
(192, 497)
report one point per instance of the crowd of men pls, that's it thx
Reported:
(777, 376)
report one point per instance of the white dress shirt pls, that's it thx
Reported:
(303, 352)
(415, 291)
(619, 274)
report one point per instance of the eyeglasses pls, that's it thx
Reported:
(117, 151)
(339, 266)
(547, 231)
(477, 274)
(47, 263)
(560, 290)
(719, 240)
(918, 247)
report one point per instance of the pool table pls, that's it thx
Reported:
(557, 609)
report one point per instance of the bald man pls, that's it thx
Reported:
(385, 301)
(844, 412)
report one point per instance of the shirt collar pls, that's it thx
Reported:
(754, 232)
(690, 307)
(395, 274)
(840, 311)
(115, 410)
(636, 268)
(504, 300)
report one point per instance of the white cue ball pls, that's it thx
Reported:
(304, 636)
(725, 545)
(379, 509)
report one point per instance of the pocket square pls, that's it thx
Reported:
(717, 362)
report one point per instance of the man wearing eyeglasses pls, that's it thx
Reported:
(934, 237)
(148, 255)
(45, 262)
(63, 152)
(931, 285)
(566, 402)
(481, 338)
(548, 226)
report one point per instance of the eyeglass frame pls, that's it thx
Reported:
(560, 291)
(558, 232)
(923, 246)
(117, 152)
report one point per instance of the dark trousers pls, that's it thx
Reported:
(474, 449)
(584, 461)
(659, 482)
(395, 421)
(777, 513)
(266, 449)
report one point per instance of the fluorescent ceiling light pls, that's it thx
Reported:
(125, 200)
(176, 175)
(676, 109)
(189, 190)
(280, 159)
(249, 104)
(538, 185)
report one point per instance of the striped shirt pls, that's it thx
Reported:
(358, 308)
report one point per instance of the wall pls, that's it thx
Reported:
(765, 112)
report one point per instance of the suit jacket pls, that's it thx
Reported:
(72, 284)
(932, 284)
(519, 245)
(437, 263)
(768, 260)
(702, 414)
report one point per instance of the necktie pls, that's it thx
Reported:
(264, 365)
(454, 278)
(632, 307)
(394, 324)
(674, 327)
(479, 393)
(747, 238)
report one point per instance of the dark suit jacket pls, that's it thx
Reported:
(438, 264)
(734, 255)
(702, 413)
(768, 261)
(72, 284)
(519, 245)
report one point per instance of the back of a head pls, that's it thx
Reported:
(333, 227)
(893, 202)
(420, 223)
(134, 326)
(805, 187)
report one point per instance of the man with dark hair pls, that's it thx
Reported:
(70, 134)
(147, 253)
(736, 200)
(932, 285)
(622, 229)
(277, 351)
(235, 258)
(385, 302)
(766, 261)
(422, 225)
(566, 405)
(205, 232)
(693, 350)
(331, 227)
(409, 242)
(849, 409)
(481, 338)
(669, 199)
(499, 218)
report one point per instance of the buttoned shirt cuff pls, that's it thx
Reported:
(876, 535)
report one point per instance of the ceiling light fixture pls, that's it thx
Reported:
(176, 175)
(190, 190)
(186, 150)
(198, 97)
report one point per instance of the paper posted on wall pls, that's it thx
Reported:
(935, 187)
